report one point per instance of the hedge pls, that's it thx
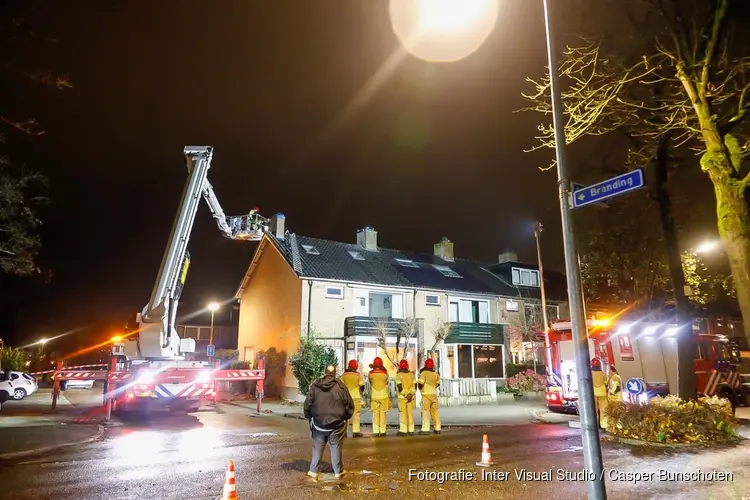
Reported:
(513, 368)
(673, 420)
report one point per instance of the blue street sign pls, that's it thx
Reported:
(634, 386)
(577, 187)
(608, 189)
(210, 350)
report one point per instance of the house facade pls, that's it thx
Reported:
(360, 299)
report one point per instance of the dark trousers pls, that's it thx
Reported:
(335, 440)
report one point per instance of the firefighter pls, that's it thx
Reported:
(429, 381)
(599, 380)
(614, 384)
(379, 397)
(406, 403)
(355, 383)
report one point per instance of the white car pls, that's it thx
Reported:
(16, 385)
(75, 384)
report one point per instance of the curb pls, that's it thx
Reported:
(50, 449)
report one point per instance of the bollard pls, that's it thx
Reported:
(107, 392)
(259, 385)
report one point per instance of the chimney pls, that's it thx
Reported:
(367, 238)
(277, 225)
(507, 256)
(444, 249)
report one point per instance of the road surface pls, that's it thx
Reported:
(186, 457)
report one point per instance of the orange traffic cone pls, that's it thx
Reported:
(486, 460)
(230, 489)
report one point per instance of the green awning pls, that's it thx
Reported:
(476, 333)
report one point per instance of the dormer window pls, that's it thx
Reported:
(525, 277)
(356, 255)
(447, 271)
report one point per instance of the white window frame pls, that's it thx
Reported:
(519, 281)
(473, 363)
(334, 295)
(447, 271)
(428, 295)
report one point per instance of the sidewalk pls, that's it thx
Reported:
(516, 413)
(28, 428)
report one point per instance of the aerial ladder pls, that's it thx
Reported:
(159, 373)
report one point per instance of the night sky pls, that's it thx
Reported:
(434, 151)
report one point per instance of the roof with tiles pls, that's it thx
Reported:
(350, 262)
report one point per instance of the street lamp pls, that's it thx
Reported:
(459, 35)
(443, 30)
(213, 307)
(547, 347)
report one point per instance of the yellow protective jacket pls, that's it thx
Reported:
(378, 383)
(599, 380)
(354, 382)
(405, 384)
(615, 385)
(429, 380)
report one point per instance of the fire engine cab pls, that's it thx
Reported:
(644, 351)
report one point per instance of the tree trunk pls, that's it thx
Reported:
(686, 388)
(734, 228)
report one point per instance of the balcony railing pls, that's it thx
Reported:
(475, 333)
(371, 326)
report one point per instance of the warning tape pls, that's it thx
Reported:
(66, 368)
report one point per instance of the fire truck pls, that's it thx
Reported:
(643, 351)
(152, 360)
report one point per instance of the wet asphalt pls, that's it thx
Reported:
(186, 457)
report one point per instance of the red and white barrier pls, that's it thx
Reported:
(235, 375)
(69, 368)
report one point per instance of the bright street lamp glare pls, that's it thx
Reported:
(449, 14)
(42, 341)
(707, 246)
(443, 30)
(213, 307)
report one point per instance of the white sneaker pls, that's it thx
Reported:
(312, 474)
(340, 474)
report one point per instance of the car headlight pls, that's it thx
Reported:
(204, 377)
(145, 377)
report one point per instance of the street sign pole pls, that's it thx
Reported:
(592, 453)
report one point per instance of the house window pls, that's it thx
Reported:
(432, 300)
(310, 250)
(447, 271)
(334, 292)
(356, 255)
(525, 277)
(480, 361)
(406, 263)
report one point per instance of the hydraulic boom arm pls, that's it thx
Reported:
(157, 336)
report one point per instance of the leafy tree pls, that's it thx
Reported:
(681, 82)
(19, 223)
(12, 359)
(706, 286)
(309, 363)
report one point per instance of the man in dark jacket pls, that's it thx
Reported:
(328, 407)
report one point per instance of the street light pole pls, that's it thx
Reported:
(592, 453)
(547, 347)
(213, 307)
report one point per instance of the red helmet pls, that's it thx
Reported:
(596, 363)
(429, 364)
(377, 362)
(403, 364)
(353, 364)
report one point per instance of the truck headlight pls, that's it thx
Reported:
(145, 377)
(204, 377)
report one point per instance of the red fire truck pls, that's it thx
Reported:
(644, 351)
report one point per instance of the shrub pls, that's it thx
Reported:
(12, 359)
(528, 381)
(309, 363)
(673, 420)
(512, 369)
